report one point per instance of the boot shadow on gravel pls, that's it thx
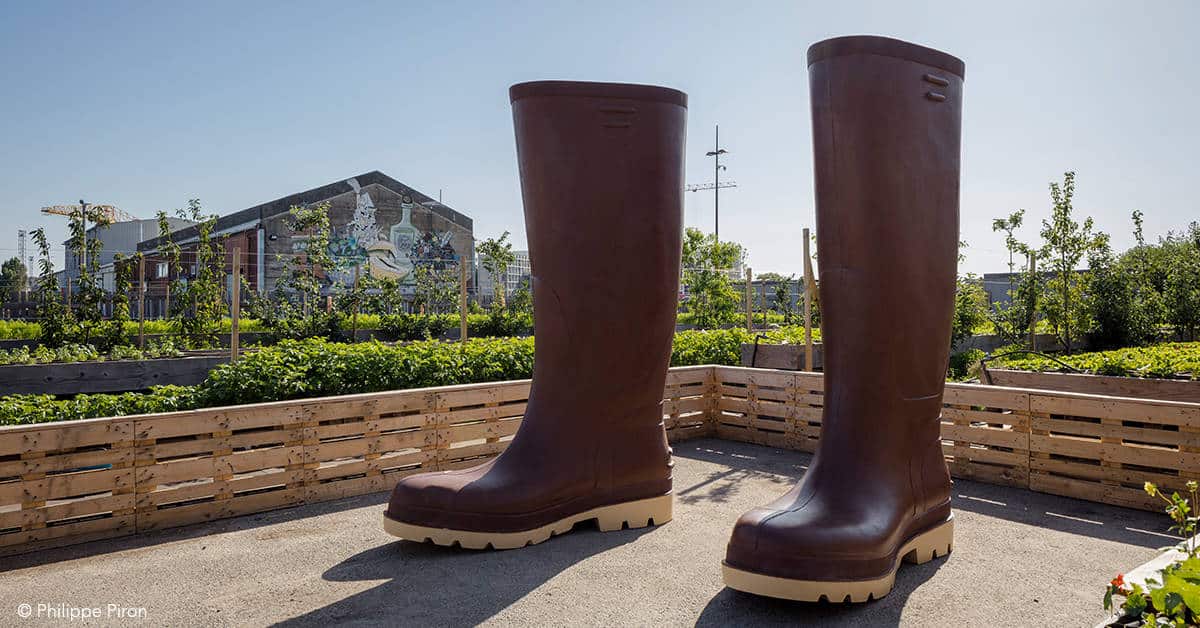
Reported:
(431, 585)
(723, 485)
(734, 608)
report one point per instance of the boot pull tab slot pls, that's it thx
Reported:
(935, 96)
(936, 80)
(617, 116)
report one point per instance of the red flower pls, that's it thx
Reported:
(1118, 582)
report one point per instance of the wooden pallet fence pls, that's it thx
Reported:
(688, 402)
(1108, 385)
(985, 434)
(70, 482)
(1105, 448)
(985, 430)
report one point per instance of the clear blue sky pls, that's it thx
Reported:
(145, 105)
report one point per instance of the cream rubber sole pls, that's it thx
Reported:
(920, 549)
(635, 514)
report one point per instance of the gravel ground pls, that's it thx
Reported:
(1020, 559)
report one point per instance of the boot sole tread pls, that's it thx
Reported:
(921, 549)
(640, 513)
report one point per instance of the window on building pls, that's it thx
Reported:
(161, 271)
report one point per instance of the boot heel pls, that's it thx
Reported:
(930, 545)
(637, 514)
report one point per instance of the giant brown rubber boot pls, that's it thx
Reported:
(602, 178)
(886, 121)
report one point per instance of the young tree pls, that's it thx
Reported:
(56, 321)
(1013, 321)
(783, 298)
(89, 294)
(522, 299)
(496, 255)
(200, 296)
(1065, 243)
(1147, 267)
(711, 299)
(303, 275)
(293, 309)
(434, 289)
(1123, 305)
(13, 277)
(970, 309)
(112, 332)
(1182, 290)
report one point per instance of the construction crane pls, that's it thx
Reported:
(108, 214)
(111, 213)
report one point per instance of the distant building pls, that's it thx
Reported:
(118, 237)
(997, 285)
(518, 272)
(379, 225)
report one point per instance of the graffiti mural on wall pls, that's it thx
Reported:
(391, 252)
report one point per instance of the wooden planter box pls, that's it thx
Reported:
(1140, 388)
(788, 357)
(68, 378)
(70, 482)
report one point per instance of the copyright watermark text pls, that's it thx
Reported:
(68, 612)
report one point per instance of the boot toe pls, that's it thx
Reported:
(425, 498)
(807, 544)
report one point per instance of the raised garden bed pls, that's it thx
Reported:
(106, 376)
(788, 357)
(1138, 387)
(69, 482)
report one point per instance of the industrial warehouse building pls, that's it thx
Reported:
(379, 225)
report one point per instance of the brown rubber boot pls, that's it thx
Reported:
(886, 125)
(602, 177)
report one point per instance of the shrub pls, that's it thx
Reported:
(415, 326)
(965, 365)
(499, 323)
(316, 368)
(22, 409)
(724, 346)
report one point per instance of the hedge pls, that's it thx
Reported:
(295, 369)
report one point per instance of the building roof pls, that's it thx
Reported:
(283, 205)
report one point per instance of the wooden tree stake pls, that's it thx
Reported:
(141, 303)
(749, 303)
(1033, 315)
(808, 281)
(462, 301)
(354, 316)
(235, 305)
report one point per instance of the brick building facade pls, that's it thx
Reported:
(378, 224)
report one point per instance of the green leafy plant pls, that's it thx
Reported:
(315, 367)
(1173, 599)
(1167, 360)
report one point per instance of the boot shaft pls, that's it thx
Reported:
(886, 133)
(602, 179)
